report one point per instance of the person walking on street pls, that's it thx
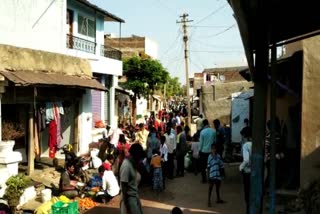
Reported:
(129, 181)
(142, 136)
(220, 140)
(245, 168)
(171, 144)
(152, 143)
(216, 174)
(157, 178)
(181, 151)
(199, 124)
(164, 159)
(207, 138)
(195, 155)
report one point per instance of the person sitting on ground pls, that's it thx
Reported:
(107, 164)
(110, 184)
(68, 183)
(157, 170)
(215, 174)
(176, 210)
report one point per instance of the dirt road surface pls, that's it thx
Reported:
(189, 194)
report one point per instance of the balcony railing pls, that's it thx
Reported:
(110, 52)
(81, 44)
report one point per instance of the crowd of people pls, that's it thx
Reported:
(146, 155)
(131, 156)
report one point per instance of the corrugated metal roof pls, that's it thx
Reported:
(110, 16)
(32, 78)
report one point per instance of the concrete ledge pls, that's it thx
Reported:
(14, 157)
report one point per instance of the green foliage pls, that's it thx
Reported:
(173, 87)
(15, 188)
(144, 75)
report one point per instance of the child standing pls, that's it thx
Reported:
(157, 171)
(215, 174)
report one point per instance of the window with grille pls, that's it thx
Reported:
(86, 26)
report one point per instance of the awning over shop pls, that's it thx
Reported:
(26, 78)
(29, 67)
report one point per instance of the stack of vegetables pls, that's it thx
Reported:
(86, 203)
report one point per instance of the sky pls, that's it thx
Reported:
(214, 38)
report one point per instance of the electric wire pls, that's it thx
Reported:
(212, 13)
(221, 32)
(212, 45)
(172, 44)
(219, 51)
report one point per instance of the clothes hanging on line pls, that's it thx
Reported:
(50, 110)
(36, 141)
(57, 119)
(52, 139)
(41, 119)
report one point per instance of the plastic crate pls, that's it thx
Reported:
(64, 208)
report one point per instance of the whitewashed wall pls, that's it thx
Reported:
(151, 48)
(36, 24)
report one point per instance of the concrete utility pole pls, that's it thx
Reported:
(184, 21)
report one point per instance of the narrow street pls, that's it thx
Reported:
(189, 194)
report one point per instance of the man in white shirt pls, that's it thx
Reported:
(115, 135)
(245, 168)
(171, 144)
(110, 185)
(178, 119)
(163, 149)
(164, 158)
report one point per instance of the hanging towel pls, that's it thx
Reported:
(41, 119)
(59, 105)
(49, 112)
(36, 141)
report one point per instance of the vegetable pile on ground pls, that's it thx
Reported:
(86, 203)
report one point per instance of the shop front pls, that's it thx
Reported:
(50, 100)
